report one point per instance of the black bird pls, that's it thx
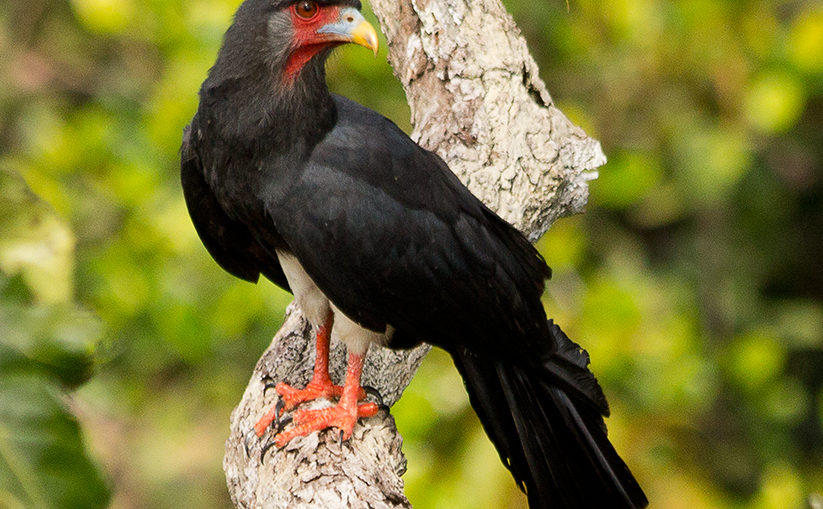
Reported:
(375, 236)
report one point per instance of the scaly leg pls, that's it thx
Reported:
(320, 386)
(342, 416)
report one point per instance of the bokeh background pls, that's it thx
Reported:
(695, 279)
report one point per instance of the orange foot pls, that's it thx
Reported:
(325, 389)
(292, 397)
(340, 416)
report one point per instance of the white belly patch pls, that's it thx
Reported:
(316, 307)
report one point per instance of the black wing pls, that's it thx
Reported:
(228, 241)
(412, 247)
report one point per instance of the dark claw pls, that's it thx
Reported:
(278, 411)
(282, 423)
(249, 436)
(271, 384)
(374, 392)
(265, 450)
(268, 383)
(340, 441)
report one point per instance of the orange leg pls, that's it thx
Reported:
(320, 386)
(342, 416)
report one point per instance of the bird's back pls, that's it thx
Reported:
(411, 245)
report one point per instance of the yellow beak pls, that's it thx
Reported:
(365, 35)
(351, 26)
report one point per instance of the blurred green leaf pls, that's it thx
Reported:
(786, 401)
(563, 245)
(781, 489)
(35, 242)
(43, 463)
(774, 101)
(806, 39)
(56, 341)
(45, 348)
(803, 322)
(104, 15)
(755, 359)
(626, 178)
(713, 158)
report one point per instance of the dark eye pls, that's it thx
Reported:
(305, 9)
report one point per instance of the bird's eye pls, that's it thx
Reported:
(305, 9)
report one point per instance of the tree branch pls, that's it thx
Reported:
(476, 99)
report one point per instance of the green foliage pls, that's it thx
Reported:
(45, 349)
(704, 237)
(695, 279)
(42, 459)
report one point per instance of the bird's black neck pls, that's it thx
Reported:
(260, 127)
(265, 108)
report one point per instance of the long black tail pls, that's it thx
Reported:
(547, 424)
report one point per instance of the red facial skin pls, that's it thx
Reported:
(307, 42)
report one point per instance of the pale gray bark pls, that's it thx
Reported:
(317, 471)
(476, 99)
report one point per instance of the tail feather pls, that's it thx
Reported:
(546, 422)
(570, 366)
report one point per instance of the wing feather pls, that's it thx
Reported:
(229, 242)
(411, 245)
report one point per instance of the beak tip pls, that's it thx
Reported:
(365, 35)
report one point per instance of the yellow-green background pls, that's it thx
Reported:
(695, 279)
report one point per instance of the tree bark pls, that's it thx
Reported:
(477, 100)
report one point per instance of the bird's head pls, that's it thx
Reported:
(285, 35)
